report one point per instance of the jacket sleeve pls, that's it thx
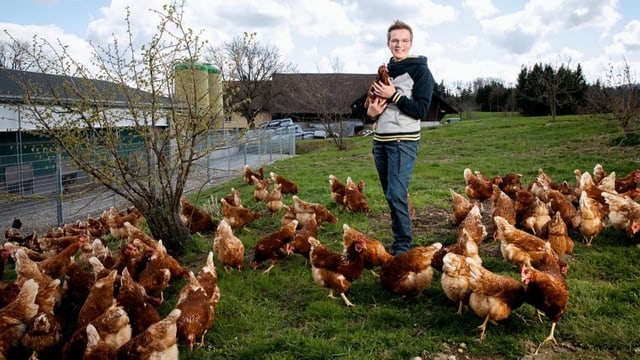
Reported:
(418, 106)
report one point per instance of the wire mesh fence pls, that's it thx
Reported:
(45, 189)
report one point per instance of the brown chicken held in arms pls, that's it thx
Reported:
(288, 186)
(374, 254)
(409, 272)
(461, 207)
(228, 248)
(260, 188)
(304, 209)
(477, 188)
(354, 199)
(493, 296)
(273, 246)
(158, 341)
(238, 217)
(16, 315)
(383, 77)
(456, 280)
(196, 219)
(336, 271)
(248, 173)
(548, 292)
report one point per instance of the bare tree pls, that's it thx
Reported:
(326, 98)
(249, 65)
(130, 102)
(13, 54)
(619, 96)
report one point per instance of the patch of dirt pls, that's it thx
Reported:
(430, 222)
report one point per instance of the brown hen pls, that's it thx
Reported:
(337, 271)
(409, 272)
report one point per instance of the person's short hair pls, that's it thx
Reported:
(399, 25)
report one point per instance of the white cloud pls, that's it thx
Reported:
(481, 9)
(79, 49)
(629, 39)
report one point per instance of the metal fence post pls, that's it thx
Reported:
(59, 189)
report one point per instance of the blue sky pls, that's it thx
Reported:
(464, 39)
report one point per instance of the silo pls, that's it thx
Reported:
(192, 85)
(215, 91)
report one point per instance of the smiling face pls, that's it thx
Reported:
(399, 43)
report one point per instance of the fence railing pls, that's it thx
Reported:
(45, 189)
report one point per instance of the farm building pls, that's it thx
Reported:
(308, 98)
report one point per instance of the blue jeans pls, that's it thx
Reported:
(395, 161)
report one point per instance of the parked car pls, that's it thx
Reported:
(277, 123)
(322, 134)
(286, 131)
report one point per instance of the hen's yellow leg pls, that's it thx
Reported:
(551, 337)
(483, 328)
(346, 301)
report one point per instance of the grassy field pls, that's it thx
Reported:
(285, 315)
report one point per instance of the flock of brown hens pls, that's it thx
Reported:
(74, 299)
(532, 224)
(70, 272)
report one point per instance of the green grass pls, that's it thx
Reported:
(285, 315)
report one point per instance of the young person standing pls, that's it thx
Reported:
(397, 111)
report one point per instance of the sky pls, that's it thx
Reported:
(464, 40)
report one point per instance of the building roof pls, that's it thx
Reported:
(319, 93)
(46, 88)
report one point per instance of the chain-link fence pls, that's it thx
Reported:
(45, 190)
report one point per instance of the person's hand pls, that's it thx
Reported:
(383, 90)
(376, 107)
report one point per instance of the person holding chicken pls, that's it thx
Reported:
(397, 109)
